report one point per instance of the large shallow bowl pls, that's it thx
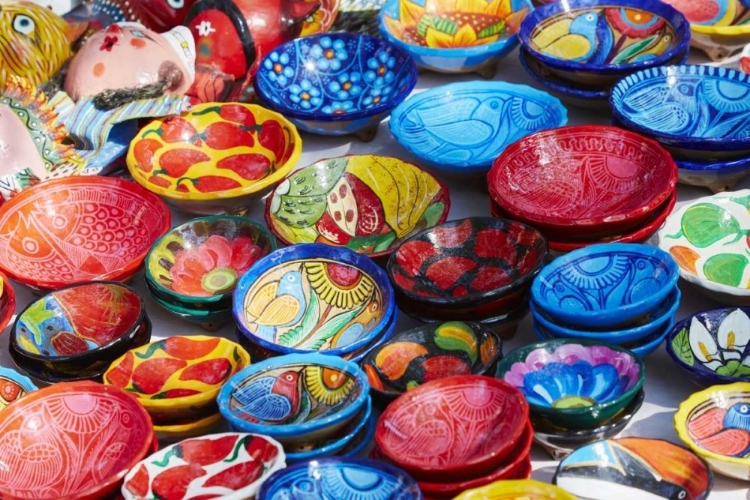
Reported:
(521, 488)
(13, 386)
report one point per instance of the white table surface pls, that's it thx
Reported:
(665, 387)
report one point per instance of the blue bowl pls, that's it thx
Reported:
(359, 444)
(605, 285)
(335, 83)
(463, 127)
(718, 176)
(310, 311)
(341, 478)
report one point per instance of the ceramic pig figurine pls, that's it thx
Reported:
(233, 35)
(157, 15)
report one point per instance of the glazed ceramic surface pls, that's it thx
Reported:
(13, 386)
(634, 468)
(511, 490)
(158, 15)
(168, 434)
(463, 127)
(359, 202)
(717, 176)
(322, 20)
(7, 302)
(231, 466)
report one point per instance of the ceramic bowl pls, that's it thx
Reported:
(355, 201)
(575, 384)
(101, 429)
(707, 240)
(594, 42)
(438, 39)
(234, 463)
(524, 488)
(341, 478)
(216, 158)
(336, 83)
(296, 398)
(430, 352)
(453, 428)
(634, 468)
(314, 297)
(362, 441)
(201, 261)
(713, 347)
(7, 302)
(587, 180)
(13, 386)
(713, 424)
(322, 20)
(630, 280)
(211, 318)
(77, 229)
(168, 434)
(177, 379)
(434, 125)
(716, 176)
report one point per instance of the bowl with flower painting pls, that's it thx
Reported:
(177, 379)
(356, 202)
(13, 386)
(520, 488)
(336, 83)
(575, 384)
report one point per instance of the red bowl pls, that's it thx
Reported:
(78, 229)
(589, 178)
(453, 428)
(71, 441)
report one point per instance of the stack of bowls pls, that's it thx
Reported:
(484, 429)
(578, 49)
(192, 270)
(586, 184)
(619, 293)
(314, 405)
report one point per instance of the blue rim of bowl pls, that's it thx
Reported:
(313, 251)
(556, 86)
(741, 165)
(363, 440)
(374, 111)
(301, 429)
(19, 378)
(382, 339)
(670, 15)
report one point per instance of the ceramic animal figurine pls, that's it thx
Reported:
(232, 36)
(158, 15)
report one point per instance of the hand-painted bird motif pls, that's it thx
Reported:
(725, 432)
(357, 327)
(586, 37)
(277, 304)
(270, 399)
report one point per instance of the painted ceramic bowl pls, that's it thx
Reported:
(201, 261)
(336, 83)
(714, 424)
(355, 202)
(590, 180)
(296, 398)
(177, 379)
(430, 352)
(216, 158)
(230, 466)
(13, 386)
(716, 176)
(708, 241)
(362, 441)
(713, 347)
(341, 478)
(634, 468)
(440, 39)
(594, 42)
(7, 302)
(314, 297)
(168, 434)
(322, 20)
(453, 428)
(433, 124)
(575, 384)
(100, 429)
(509, 490)
(79, 229)
(630, 280)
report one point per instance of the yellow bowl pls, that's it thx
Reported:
(721, 36)
(170, 433)
(526, 489)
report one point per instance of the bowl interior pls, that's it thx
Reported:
(716, 421)
(356, 202)
(727, 13)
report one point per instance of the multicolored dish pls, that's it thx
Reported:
(13, 386)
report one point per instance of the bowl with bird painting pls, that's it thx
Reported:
(314, 297)
(356, 202)
(336, 83)
(595, 42)
(452, 36)
(13, 386)
(177, 379)
(520, 488)
(434, 124)
(296, 398)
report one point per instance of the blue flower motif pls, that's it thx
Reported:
(278, 71)
(338, 107)
(329, 54)
(346, 85)
(377, 95)
(304, 94)
(559, 385)
(380, 70)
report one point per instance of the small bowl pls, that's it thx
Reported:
(716, 176)
(178, 432)
(319, 395)
(648, 274)
(177, 379)
(234, 463)
(217, 158)
(433, 124)
(355, 201)
(77, 229)
(430, 32)
(314, 297)
(103, 429)
(575, 384)
(523, 488)
(421, 430)
(13, 386)
(336, 83)
(634, 468)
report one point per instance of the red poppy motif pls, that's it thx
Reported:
(634, 23)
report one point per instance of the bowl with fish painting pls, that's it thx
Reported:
(13, 386)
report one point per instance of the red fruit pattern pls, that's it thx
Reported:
(237, 114)
(444, 366)
(211, 183)
(260, 449)
(189, 349)
(176, 162)
(178, 130)
(223, 135)
(495, 244)
(145, 151)
(237, 476)
(151, 375)
(176, 393)
(412, 255)
(138, 484)
(248, 166)
(272, 136)
(447, 271)
(210, 372)
(490, 278)
(173, 483)
(119, 375)
(67, 344)
(452, 237)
